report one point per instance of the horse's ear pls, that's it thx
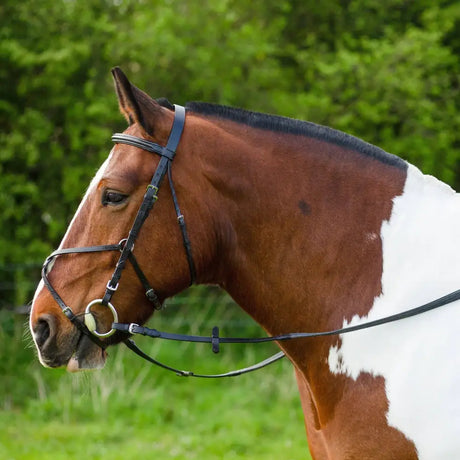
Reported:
(135, 105)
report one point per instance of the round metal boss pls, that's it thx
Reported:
(91, 323)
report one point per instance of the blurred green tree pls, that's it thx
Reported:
(385, 71)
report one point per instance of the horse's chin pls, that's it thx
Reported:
(87, 356)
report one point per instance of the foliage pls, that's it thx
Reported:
(384, 71)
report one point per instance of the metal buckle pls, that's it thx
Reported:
(68, 312)
(122, 244)
(154, 188)
(131, 327)
(110, 288)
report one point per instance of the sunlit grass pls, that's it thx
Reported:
(133, 409)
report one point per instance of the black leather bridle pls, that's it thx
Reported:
(125, 246)
(88, 326)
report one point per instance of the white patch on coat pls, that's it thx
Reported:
(419, 357)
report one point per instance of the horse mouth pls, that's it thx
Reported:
(87, 356)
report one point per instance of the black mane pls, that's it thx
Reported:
(297, 127)
(165, 103)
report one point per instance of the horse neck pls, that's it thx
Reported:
(299, 226)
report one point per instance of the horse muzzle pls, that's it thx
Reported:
(60, 344)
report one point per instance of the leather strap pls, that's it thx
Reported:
(183, 228)
(215, 340)
(154, 333)
(167, 154)
(143, 144)
(181, 373)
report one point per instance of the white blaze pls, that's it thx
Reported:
(93, 185)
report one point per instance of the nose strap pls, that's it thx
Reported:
(75, 319)
(58, 299)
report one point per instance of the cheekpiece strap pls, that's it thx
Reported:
(167, 154)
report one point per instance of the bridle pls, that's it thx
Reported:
(126, 246)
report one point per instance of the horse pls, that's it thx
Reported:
(308, 229)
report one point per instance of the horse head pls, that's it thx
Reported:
(104, 218)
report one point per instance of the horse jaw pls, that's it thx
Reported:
(87, 356)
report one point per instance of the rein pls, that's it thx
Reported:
(88, 327)
(215, 340)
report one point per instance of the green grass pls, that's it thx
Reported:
(132, 409)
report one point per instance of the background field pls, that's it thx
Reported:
(132, 409)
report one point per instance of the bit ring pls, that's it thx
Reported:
(91, 323)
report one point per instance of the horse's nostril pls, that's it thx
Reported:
(42, 330)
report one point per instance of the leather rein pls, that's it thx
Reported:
(126, 246)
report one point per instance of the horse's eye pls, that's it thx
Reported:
(111, 197)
